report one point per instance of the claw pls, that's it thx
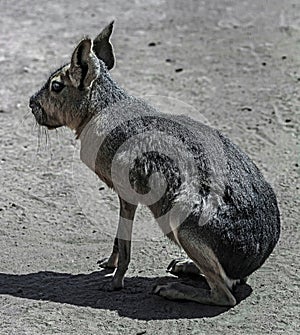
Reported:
(103, 262)
(170, 266)
(156, 289)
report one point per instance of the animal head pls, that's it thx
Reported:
(65, 98)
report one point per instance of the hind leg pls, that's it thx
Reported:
(219, 295)
(205, 259)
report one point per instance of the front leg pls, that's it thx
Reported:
(123, 239)
(112, 261)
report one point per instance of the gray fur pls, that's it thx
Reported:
(214, 195)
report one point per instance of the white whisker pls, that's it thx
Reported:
(39, 139)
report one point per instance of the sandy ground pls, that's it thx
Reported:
(240, 65)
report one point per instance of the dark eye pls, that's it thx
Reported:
(56, 86)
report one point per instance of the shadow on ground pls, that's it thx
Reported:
(91, 290)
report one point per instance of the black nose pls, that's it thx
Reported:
(33, 103)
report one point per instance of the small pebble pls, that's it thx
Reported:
(246, 108)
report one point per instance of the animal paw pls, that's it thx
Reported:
(183, 266)
(105, 263)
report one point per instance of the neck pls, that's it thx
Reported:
(104, 93)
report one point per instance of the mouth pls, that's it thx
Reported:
(51, 127)
(40, 116)
(38, 112)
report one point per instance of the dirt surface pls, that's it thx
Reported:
(237, 64)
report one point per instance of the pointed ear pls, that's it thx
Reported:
(103, 48)
(84, 68)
